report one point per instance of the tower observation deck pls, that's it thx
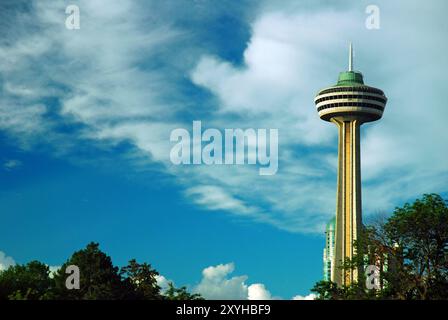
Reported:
(349, 104)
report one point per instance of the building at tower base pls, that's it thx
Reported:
(329, 249)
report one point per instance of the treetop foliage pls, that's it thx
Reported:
(410, 248)
(99, 280)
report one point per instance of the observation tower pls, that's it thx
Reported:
(349, 104)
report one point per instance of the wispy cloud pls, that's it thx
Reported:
(287, 60)
(11, 164)
(120, 77)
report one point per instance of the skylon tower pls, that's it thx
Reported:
(348, 104)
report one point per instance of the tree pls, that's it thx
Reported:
(419, 231)
(181, 293)
(140, 281)
(30, 281)
(327, 290)
(411, 250)
(99, 278)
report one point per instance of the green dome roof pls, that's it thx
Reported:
(350, 78)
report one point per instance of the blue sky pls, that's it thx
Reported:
(86, 115)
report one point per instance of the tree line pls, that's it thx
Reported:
(99, 280)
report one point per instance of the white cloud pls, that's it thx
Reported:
(21, 119)
(5, 261)
(258, 291)
(216, 198)
(163, 283)
(311, 296)
(96, 67)
(216, 285)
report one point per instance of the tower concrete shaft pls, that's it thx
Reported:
(348, 208)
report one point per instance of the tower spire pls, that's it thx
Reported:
(350, 58)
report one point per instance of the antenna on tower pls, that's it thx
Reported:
(350, 58)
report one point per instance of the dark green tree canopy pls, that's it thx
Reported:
(99, 280)
(141, 281)
(411, 250)
(29, 281)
